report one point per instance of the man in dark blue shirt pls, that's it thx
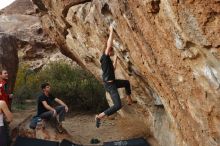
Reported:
(45, 108)
(110, 83)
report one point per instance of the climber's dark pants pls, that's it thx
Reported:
(112, 89)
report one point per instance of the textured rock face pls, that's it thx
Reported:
(35, 47)
(168, 49)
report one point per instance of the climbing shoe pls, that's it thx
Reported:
(59, 128)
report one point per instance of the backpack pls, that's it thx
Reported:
(34, 121)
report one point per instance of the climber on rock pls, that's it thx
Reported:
(111, 84)
(45, 109)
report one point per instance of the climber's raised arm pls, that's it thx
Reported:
(109, 42)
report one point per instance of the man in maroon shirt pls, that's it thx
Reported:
(5, 96)
(4, 89)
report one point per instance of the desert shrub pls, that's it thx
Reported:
(78, 88)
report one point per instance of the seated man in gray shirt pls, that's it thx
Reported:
(45, 110)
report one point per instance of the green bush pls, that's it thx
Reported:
(78, 88)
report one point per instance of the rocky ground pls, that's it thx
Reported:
(80, 128)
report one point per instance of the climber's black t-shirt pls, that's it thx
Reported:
(40, 108)
(107, 68)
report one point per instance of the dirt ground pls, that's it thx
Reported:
(81, 127)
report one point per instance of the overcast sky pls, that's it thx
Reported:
(5, 3)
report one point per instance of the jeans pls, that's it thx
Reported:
(60, 111)
(7, 133)
(112, 89)
(3, 138)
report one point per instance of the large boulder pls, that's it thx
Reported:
(168, 49)
(35, 47)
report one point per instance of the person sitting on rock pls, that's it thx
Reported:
(4, 112)
(45, 109)
(110, 83)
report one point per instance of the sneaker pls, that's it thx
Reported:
(97, 121)
(43, 123)
(60, 128)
